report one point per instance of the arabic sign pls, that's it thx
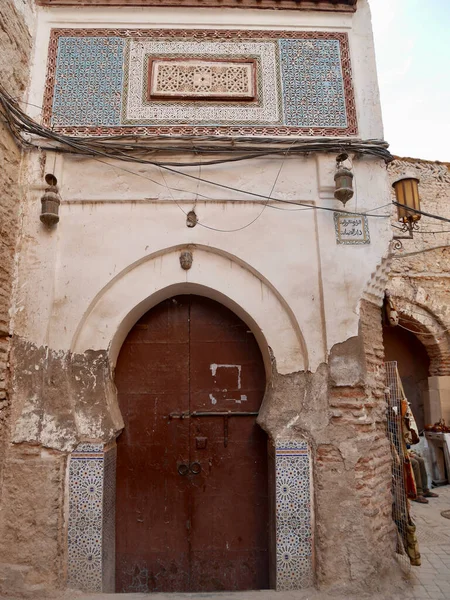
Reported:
(351, 229)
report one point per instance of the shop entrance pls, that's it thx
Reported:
(192, 489)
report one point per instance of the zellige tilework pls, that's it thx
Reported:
(313, 87)
(294, 569)
(98, 83)
(88, 86)
(91, 518)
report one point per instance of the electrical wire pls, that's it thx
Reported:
(378, 207)
(21, 125)
(413, 322)
(406, 254)
(415, 312)
(421, 212)
(260, 196)
(441, 334)
(18, 121)
(238, 228)
(423, 231)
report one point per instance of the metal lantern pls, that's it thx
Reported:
(343, 179)
(407, 195)
(50, 202)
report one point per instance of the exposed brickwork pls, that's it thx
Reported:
(353, 460)
(364, 410)
(374, 472)
(420, 283)
(15, 44)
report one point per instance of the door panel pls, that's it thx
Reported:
(206, 530)
(152, 378)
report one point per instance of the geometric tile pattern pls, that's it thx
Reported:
(138, 110)
(98, 83)
(90, 534)
(294, 569)
(90, 72)
(312, 83)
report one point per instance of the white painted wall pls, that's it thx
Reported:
(117, 242)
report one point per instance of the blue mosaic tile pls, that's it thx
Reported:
(313, 85)
(293, 515)
(99, 84)
(88, 82)
(85, 521)
(91, 523)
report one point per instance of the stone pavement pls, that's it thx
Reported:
(431, 581)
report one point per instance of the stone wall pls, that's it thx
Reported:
(115, 254)
(419, 278)
(16, 21)
(341, 411)
(15, 42)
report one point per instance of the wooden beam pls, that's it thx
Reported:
(323, 5)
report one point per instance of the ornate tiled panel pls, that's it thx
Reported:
(88, 88)
(192, 79)
(313, 86)
(138, 110)
(91, 534)
(294, 568)
(199, 82)
(91, 518)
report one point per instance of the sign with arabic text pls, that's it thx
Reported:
(351, 229)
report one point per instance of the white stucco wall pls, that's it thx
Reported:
(285, 270)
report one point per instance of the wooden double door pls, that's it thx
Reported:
(192, 498)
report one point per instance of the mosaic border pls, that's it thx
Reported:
(294, 556)
(200, 130)
(259, 108)
(91, 519)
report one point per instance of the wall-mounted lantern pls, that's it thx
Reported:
(50, 202)
(343, 179)
(407, 201)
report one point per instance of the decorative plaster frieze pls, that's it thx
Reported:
(284, 83)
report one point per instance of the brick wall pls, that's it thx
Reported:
(419, 279)
(353, 463)
(373, 472)
(15, 44)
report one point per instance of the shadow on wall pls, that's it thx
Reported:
(413, 365)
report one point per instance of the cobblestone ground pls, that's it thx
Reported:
(431, 581)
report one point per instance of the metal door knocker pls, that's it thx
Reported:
(196, 467)
(183, 469)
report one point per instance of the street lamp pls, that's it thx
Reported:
(408, 206)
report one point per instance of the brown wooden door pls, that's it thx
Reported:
(192, 503)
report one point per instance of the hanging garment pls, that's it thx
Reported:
(412, 544)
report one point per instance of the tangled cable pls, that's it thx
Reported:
(30, 134)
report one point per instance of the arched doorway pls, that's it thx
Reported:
(413, 365)
(192, 489)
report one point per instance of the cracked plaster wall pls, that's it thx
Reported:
(111, 221)
(340, 410)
